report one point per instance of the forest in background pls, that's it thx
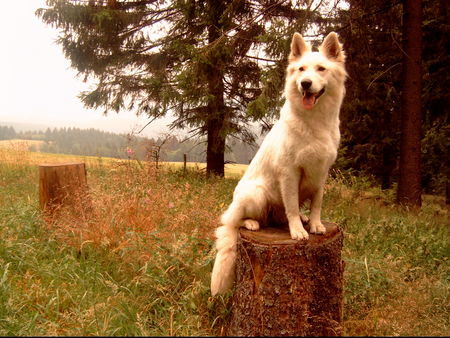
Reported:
(372, 33)
(219, 65)
(93, 142)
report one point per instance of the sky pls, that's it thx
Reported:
(37, 85)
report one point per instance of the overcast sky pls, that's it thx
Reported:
(37, 84)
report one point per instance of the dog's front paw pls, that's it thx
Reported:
(317, 228)
(251, 224)
(298, 233)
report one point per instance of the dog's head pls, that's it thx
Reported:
(313, 75)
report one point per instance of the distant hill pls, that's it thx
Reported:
(22, 126)
(93, 142)
(112, 123)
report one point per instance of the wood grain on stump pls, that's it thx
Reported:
(61, 184)
(286, 287)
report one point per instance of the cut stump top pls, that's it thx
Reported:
(281, 235)
(63, 164)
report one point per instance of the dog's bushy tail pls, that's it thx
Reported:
(223, 271)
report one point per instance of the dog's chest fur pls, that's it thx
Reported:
(295, 145)
(305, 146)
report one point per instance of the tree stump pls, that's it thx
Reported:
(286, 287)
(62, 184)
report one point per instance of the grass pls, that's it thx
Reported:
(232, 170)
(17, 150)
(23, 145)
(397, 260)
(139, 262)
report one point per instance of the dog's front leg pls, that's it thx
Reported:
(316, 207)
(289, 184)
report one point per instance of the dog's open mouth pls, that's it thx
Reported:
(310, 99)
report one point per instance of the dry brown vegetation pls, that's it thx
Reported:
(136, 259)
(130, 206)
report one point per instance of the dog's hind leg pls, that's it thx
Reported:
(304, 218)
(251, 224)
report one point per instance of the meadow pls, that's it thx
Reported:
(139, 261)
(20, 145)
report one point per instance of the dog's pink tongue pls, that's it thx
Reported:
(308, 101)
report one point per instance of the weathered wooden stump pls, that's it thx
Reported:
(62, 184)
(286, 287)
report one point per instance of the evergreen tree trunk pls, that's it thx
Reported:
(409, 185)
(215, 151)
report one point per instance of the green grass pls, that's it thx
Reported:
(397, 261)
(140, 263)
(139, 281)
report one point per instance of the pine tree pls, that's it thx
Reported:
(204, 61)
(372, 35)
(409, 184)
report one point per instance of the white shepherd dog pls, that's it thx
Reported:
(292, 164)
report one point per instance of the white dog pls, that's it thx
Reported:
(292, 163)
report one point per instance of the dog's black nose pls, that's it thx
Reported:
(306, 84)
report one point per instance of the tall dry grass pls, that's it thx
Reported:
(134, 260)
(137, 259)
(129, 207)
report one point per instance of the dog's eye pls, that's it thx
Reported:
(301, 69)
(320, 68)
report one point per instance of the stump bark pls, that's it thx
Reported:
(286, 287)
(62, 184)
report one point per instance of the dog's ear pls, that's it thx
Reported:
(332, 48)
(298, 47)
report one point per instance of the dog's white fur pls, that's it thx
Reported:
(292, 163)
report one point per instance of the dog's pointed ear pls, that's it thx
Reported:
(332, 48)
(298, 47)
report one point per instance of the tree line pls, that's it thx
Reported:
(93, 142)
(379, 111)
(219, 65)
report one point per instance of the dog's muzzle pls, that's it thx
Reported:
(309, 99)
